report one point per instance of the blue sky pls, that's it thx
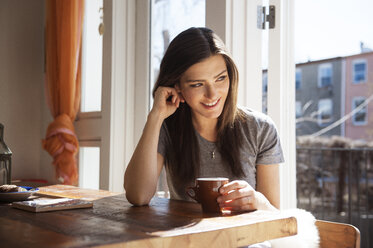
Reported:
(331, 28)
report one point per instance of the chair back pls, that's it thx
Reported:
(338, 235)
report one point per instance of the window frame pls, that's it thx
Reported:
(359, 61)
(321, 67)
(319, 116)
(365, 108)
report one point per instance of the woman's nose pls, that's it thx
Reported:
(210, 91)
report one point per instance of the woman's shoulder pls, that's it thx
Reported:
(253, 117)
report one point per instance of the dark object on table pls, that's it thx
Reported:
(5, 159)
(7, 188)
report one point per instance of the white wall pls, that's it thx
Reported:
(23, 109)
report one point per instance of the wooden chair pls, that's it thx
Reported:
(338, 235)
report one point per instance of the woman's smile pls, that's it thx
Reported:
(211, 105)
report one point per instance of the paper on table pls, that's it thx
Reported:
(47, 204)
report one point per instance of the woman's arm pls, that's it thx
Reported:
(268, 183)
(141, 176)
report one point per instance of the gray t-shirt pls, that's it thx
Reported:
(261, 145)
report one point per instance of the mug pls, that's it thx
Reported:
(206, 192)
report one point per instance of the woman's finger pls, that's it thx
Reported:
(236, 195)
(234, 185)
(237, 207)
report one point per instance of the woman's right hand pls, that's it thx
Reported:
(162, 107)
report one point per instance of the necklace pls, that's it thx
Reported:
(213, 154)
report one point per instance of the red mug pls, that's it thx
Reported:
(206, 192)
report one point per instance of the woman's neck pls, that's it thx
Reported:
(207, 128)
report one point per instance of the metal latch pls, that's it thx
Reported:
(263, 18)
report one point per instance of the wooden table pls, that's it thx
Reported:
(113, 222)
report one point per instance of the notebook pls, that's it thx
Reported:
(51, 204)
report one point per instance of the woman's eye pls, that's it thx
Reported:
(195, 85)
(222, 78)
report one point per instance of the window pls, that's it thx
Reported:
(359, 69)
(325, 75)
(88, 122)
(298, 109)
(360, 117)
(89, 167)
(325, 111)
(92, 57)
(298, 78)
(168, 19)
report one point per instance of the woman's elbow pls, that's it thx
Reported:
(137, 200)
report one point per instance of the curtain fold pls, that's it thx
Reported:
(63, 42)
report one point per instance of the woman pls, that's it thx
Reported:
(196, 130)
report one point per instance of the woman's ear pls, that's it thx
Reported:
(178, 90)
(177, 87)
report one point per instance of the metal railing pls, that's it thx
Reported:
(336, 184)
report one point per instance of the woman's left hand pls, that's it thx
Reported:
(240, 196)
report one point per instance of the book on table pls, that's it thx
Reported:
(51, 204)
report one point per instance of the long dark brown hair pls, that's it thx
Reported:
(188, 48)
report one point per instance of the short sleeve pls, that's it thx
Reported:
(164, 140)
(269, 146)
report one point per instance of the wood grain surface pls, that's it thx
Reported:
(338, 235)
(113, 222)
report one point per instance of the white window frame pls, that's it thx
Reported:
(281, 94)
(365, 109)
(114, 129)
(320, 69)
(319, 119)
(359, 61)
(235, 22)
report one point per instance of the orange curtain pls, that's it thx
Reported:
(63, 35)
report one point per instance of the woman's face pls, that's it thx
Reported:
(204, 87)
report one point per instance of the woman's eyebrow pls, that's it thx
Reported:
(221, 73)
(201, 80)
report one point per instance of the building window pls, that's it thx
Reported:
(325, 111)
(298, 109)
(325, 75)
(298, 78)
(360, 117)
(359, 69)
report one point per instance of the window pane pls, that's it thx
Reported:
(359, 118)
(359, 72)
(325, 72)
(168, 19)
(334, 176)
(89, 167)
(325, 111)
(92, 57)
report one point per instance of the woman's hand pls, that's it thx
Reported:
(161, 106)
(240, 196)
